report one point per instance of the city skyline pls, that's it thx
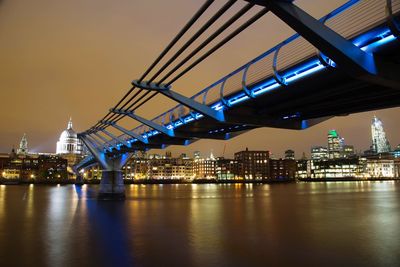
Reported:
(177, 150)
(105, 55)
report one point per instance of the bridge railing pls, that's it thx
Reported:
(272, 67)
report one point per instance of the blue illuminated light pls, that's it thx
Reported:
(238, 99)
(378, 43)
(189, 119)
(305, 73)
(178, 123)
(262, 90)
(304, 124)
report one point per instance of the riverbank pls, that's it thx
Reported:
(197, 181)
(346, 179)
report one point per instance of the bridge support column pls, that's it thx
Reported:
(111, 184)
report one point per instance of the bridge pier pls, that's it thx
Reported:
(111, 186)
(112, 183)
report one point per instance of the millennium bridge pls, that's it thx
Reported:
(345, 62)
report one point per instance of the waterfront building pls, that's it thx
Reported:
(382, 168)
(253, 165)
(319, 153)
(52, 167)
(92, 173)
(226, 169)
(380, 144)
(33, 167)
(205, 168)
(335, 145)
(137, 168)
(282, 168)
(334, 168)
(302, 168)
(167, 168)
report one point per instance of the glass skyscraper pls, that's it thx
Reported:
(335, 145)
(379, 142)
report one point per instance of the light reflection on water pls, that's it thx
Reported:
(315, 224)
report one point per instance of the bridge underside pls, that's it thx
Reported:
(301, 104)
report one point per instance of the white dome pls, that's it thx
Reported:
(67, 134)
(69, 142)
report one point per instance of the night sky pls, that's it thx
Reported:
(76, 58)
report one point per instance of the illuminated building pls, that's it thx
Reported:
(289, 154)
(335, 145)
(52, 167)
(70, 148)
(23, 146)
(348, 151)
(334, 168)
(302, 170)
(33, 167)
(136, 169)
(167, 167)
(319, 153)
(204, 168)
(69, 142)
(282, 168)
(226, 169)
(383, 168)
(379, 142)
(253, 165)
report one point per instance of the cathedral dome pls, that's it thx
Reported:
(69, 142)
(68, 133)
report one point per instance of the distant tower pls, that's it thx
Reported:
(335, 145)
(212, 155)
(379, 142)
(23, 146)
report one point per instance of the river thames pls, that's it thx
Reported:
(303, 224)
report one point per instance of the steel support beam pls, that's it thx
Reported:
(102, 138)
(353, 60)
(106, 142)
(94, 141)
(149, 123)
(122, 141)
(186, 101)
(130, 133)
(97, 154)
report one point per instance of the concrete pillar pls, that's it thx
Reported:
(111, 185)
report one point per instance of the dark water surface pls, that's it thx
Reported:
(304, 224)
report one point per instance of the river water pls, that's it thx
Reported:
(303, 224)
